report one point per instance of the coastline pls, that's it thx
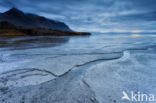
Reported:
(9, 29)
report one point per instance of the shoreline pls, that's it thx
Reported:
(9, 29)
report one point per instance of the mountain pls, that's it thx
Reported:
(20, 18)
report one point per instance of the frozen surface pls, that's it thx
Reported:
(134, 73)
(94, 69)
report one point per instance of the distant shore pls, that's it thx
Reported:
(9, 29)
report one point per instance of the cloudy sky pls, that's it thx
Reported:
(93, 15)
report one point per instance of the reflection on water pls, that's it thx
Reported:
(31, 42)
(79, 44)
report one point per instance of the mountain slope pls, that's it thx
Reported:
(20, 18)
(9, 29)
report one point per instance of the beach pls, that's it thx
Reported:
(76, 69)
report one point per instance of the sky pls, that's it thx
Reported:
(93, 15)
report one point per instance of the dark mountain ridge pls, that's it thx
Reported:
(20, 18)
